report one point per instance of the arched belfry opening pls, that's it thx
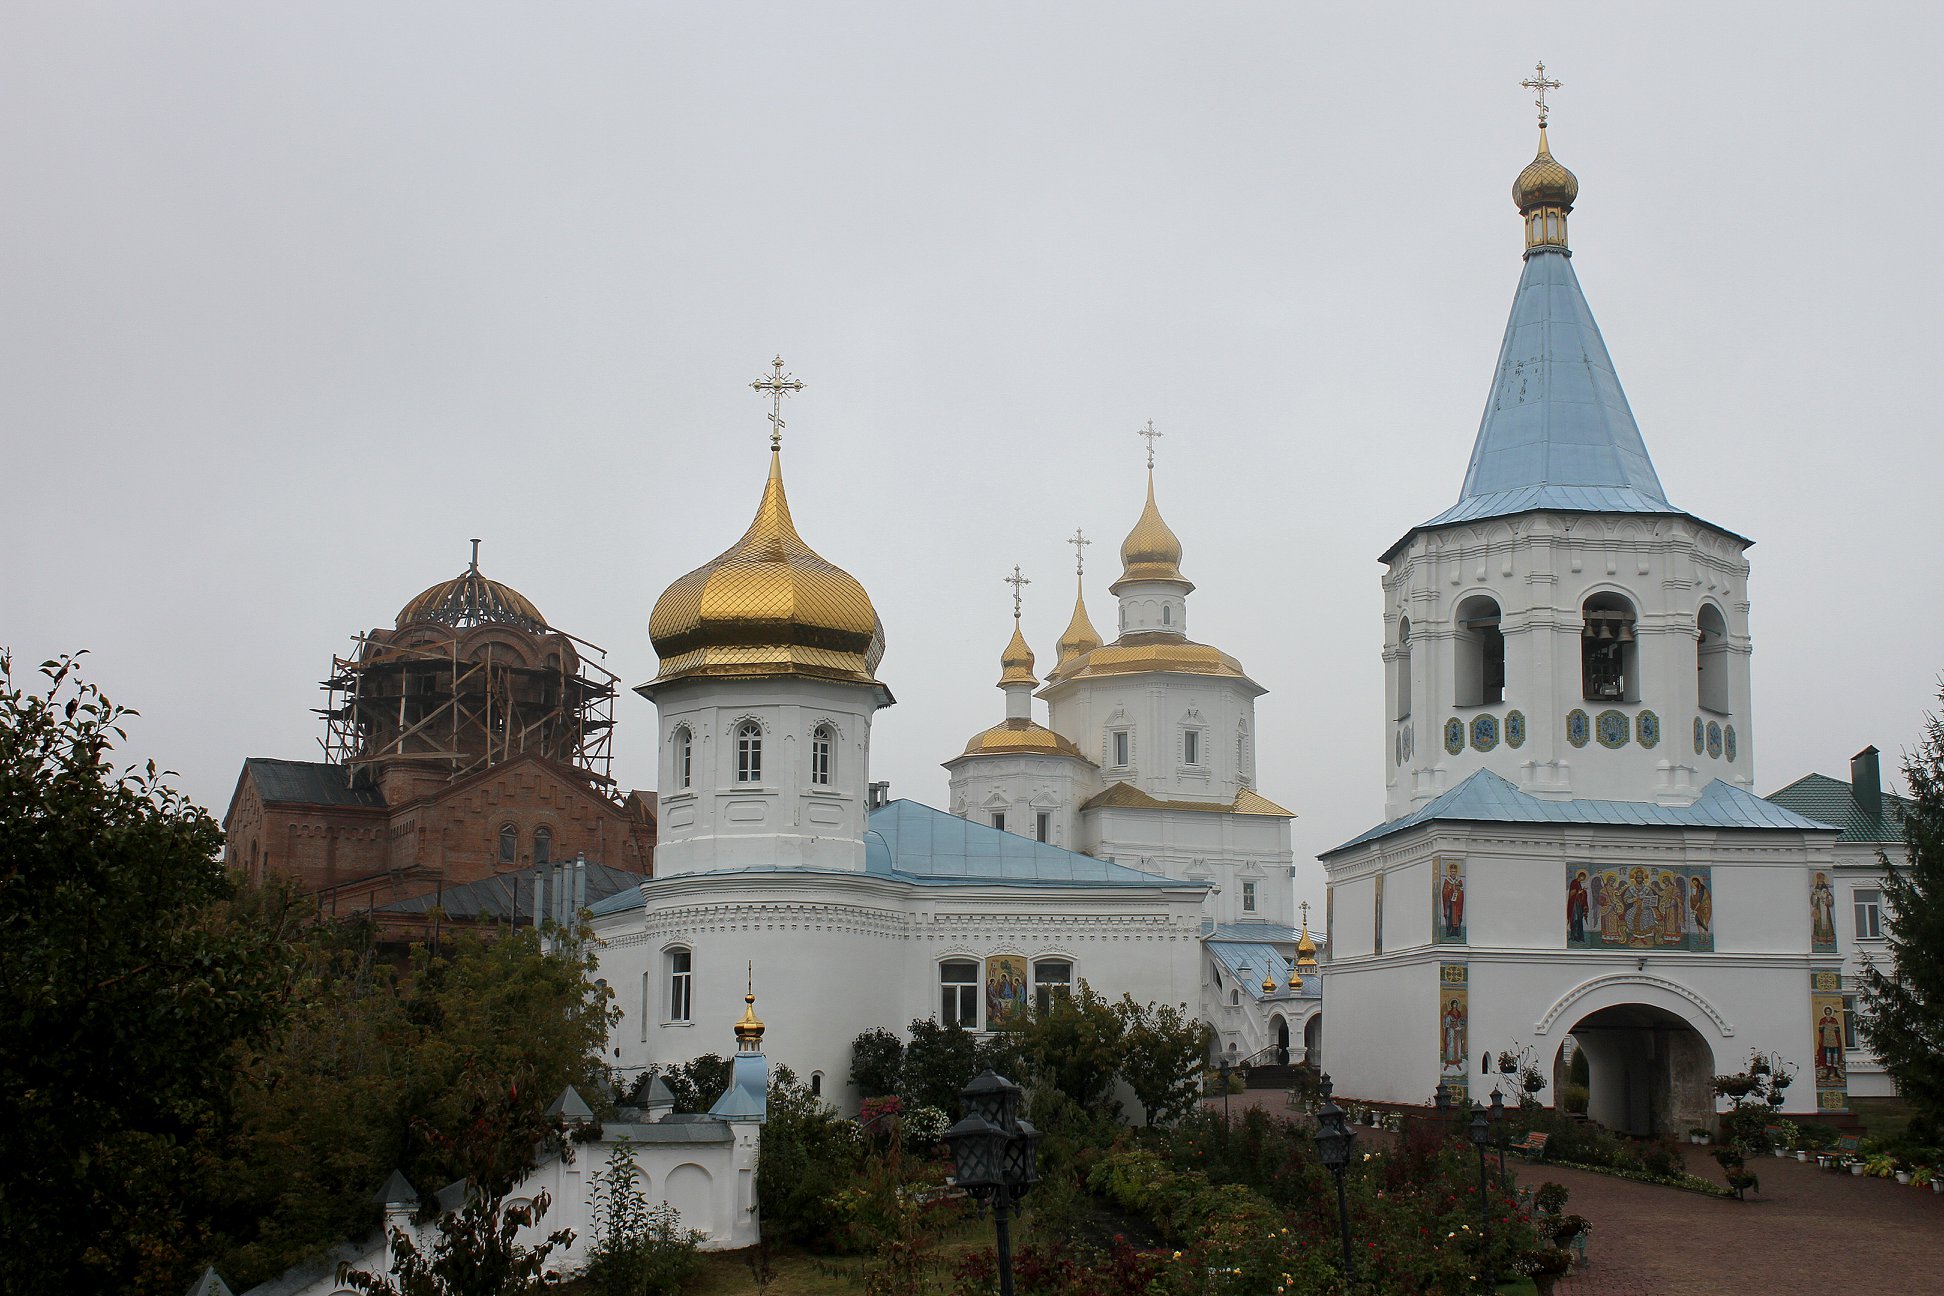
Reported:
(1711, 660)
(1649, 1072)
(1609, 654)
(1478, 668)
(1402, 670)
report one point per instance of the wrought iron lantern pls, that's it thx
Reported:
(1334, 1141)
(1481, 1137)
(995, 1156)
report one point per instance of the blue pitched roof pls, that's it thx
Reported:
(1557, 432)
(916, 843)
(910, 842)
(1486, 797)
(1259, 957)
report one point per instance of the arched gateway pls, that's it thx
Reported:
(1648, 1071)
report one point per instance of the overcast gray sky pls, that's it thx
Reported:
(298, 297)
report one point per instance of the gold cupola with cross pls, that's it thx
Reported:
(1545, 190)
(1018, 733)
(768, 605)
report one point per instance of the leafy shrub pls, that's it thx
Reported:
(807, 1158)
(877, 1063)
(1574, 1097)
(639, 1250)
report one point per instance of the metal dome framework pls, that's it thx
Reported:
(470, 676)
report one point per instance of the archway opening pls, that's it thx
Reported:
(1649, 1073)
(1279, 1024)
(1313, 1040)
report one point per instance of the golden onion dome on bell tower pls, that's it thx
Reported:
(1545, 191)
(1016, 663)
(768, 605)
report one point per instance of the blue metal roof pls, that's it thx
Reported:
(1557, 432)
(1486, 797)
(916, 843)
(1246, 961)
(909, 842)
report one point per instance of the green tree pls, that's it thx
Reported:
(1903, 1007)
(877, 1058)
(374, 1053)
(939, 1061)
(127, 998)
(1162, 1055)
(1076, 1045)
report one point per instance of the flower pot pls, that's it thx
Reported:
(1857, 1169)
(1937, 1186)
(1903, 1176)
(1801, 1155)
(1780, 1152)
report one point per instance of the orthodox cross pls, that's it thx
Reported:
(1538, 82)
(1151, 435)
(1017, 581)
(777, 386)
(1079, 542)
(1305, 908)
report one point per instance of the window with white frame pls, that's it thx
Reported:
(684, 757)
(1191, 747)
(681, 984)
(1850, 1042)
(1120, 744)
(958, 993)
(821, 742)
(1869, 913)
(1248, 897)
(647, 1001)
(749, 752)
(999, 820)
(1051, 978)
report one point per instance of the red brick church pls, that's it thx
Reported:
(468, 745)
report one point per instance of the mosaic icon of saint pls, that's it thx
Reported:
(1822, 911)
(1576, 909)
(1453, 1023)
(1700, 905)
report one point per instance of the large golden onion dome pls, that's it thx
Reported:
(1151, 551)
(1016, 663)
(769, 605)
(468, 600)
(1021, 738)
(1544, 182)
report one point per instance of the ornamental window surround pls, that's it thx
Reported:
(822, 741)
(749, 752)
(1052, 977)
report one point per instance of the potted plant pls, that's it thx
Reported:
(1566, 1228)
(1698, 1136)
(1903, 1174)
(1546, 1266)
(1879, 1165)
(1854, 1165)
(1550, 1199)
(1787, 1137)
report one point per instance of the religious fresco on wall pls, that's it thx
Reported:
(1826, 1019)
(1822, 915)
(1454, 1016)
(1005, 990)
(1448, 901)
(1633, 906)
(1377, 933)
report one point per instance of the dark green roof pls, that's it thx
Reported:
(1817, 796)
(309, 783)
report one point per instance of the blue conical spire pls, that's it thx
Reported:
(1557, 432)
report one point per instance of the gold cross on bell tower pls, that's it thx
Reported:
(777, 386)
(1079, 542)
(1152, 436)
(1537, 81)
(1018, 581)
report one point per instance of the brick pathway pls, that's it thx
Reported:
(1807, 1230)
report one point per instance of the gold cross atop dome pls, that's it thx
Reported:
(776, 387)
(1079, 542)
(1018, 580)
(1538, 81)
(1152, 436)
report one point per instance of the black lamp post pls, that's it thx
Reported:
(1481, 1134)
(1497, 1114)
(995, 1156)
(1334, 1139)
(1223, 1071)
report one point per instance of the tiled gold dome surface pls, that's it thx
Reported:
(1080, 637)
(1151, 550)
(769, 605)
(1544, 182)
(1133, 654)
(1016, 663)
(1020, 737)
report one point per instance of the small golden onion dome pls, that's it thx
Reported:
(469, 599)
(1306, 950)
(1295, 978)
(1268, 984)
(1080, 638)
(1021, 738)
(769, 605)
(1151, 551)
(1544, 182)
(749, 1031)
(1016, 663)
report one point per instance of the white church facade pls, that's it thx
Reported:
(1122, 844)
(1572, 846)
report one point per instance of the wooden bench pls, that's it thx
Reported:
(1532, 1147)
